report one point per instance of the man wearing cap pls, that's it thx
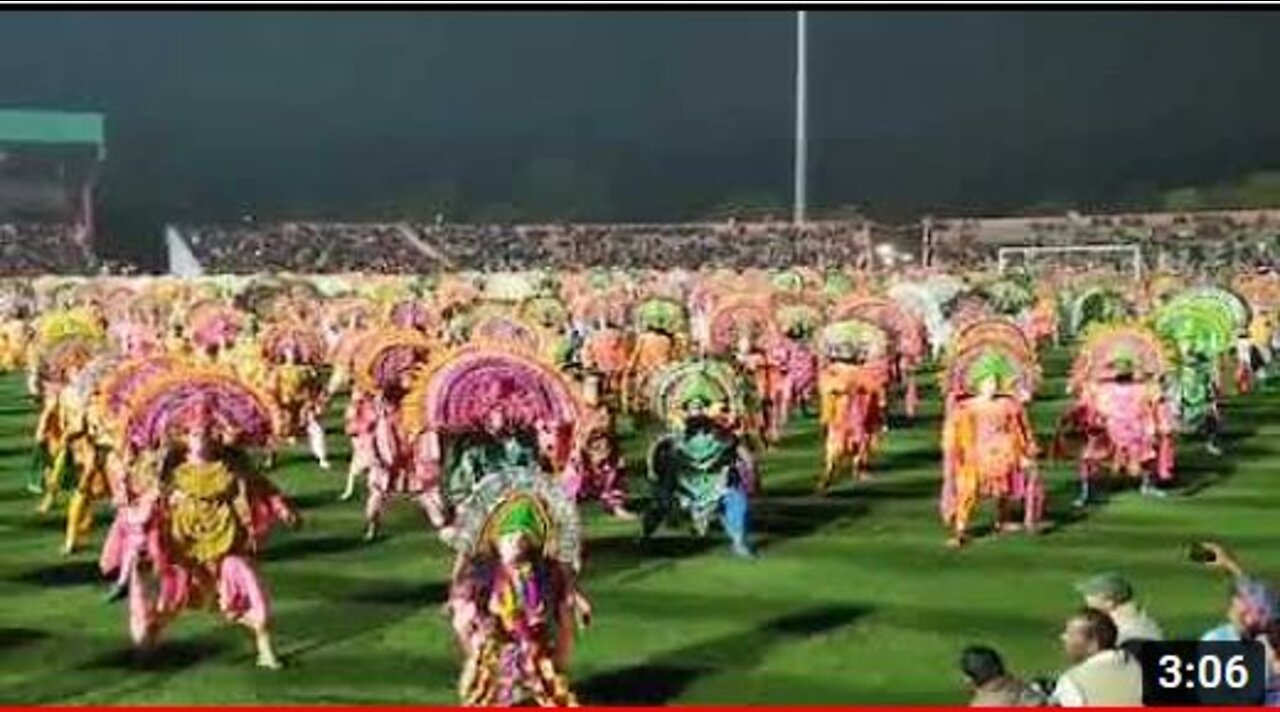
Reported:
(1111, 593)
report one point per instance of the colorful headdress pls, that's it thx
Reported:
(799, 320)
(906, 333)
(1097, 305)
(1009, 295)
(277, 340)
(967, 370)
(660, 314)
(59, 362)
(461, 387)
(790, 282)
(233, 410)
(993, 330)
(387, 357)
(80, 391)
(547, 312)
(712, 383)
(519, 502)
(507, 332)
(925, 304)
(82, 323)
(413, 314)
(1111, 350)
(118, 387)
(1201, 326)
(214, 324)
(736, 316)
(845, 338)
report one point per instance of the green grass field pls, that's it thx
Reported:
(854, 599)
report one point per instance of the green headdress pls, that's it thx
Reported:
(680, 385)
(991, 365)
(660, 313)
(521, 516)
(844, 337)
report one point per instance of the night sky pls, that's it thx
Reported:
(649, 115)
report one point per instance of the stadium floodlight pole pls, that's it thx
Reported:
(802, 111)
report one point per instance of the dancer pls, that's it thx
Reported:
(293, 355)
(1121, 408)
(484, 408)
(197, 512)
(988, 446)
(384, 372)
(700, 467)
(853, 388)
(514, 600)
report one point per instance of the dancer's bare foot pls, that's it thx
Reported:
(371, 532)
(267, 660)
(956, 542)
(624, 514)
(1009, 527)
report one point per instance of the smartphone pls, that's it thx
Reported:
(1199, 553)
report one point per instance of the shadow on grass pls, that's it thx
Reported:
(19, 637)
(166, 657)
(665, 677)
(65, 574)
(301, 548)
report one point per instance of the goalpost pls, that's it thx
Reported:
(1133, 252)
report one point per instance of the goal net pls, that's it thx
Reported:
(1122, 258)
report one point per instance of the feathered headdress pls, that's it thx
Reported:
(519, 502)
(714, 384)
(384, 360)
(168, 405)
(1111, 350)
(739, 315)
(845, 338)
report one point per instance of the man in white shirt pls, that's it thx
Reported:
(1101, 675)
(1111, 593)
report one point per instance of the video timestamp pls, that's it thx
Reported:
(1203, 673)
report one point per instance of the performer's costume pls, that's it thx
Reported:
(1121, 409)
(483, 407)
(384, 369)
(294, 355)
(65, 342)
(661, 323)
(700, 467)
(514, 599)
(853, 388)
(1202, 323)
(905, 346)
(742, 327)
(988, 446)
(797, 357)
(195, 512)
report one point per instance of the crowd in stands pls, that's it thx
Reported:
(374, 247)
(31, 249)
(306, 247)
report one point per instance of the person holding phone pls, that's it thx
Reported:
(1253, 610)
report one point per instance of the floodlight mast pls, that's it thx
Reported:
(800, 197)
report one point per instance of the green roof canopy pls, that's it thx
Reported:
(52, 127)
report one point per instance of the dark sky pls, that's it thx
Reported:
(650, 115)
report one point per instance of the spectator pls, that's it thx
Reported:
(1252, 614)
(992, 684)
(1101, 675)
(1111, 593)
